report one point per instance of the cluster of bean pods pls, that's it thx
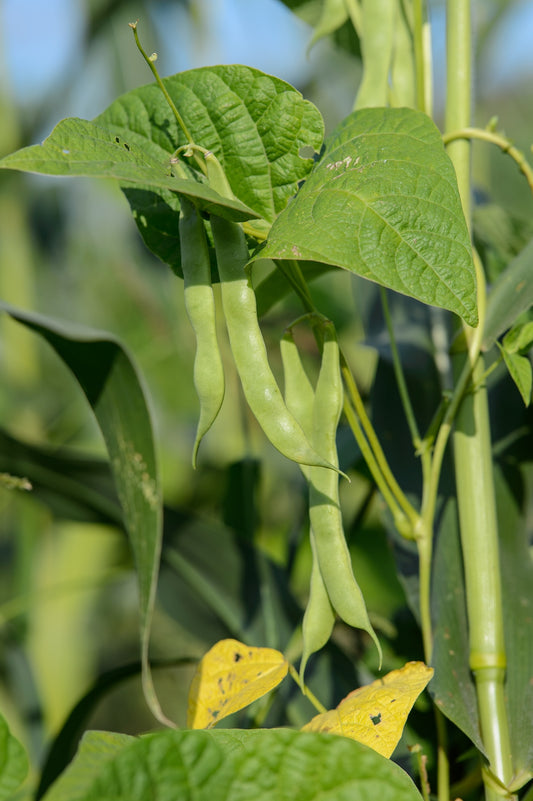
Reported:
(333, 587)
(302, 426)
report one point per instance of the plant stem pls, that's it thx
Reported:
(398, 372)
(472, 452)
(496, 139)
(420, 56)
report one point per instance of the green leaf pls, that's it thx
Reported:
(97, 750)
(255, 124)
(520, 371)
(383, 203)
(510, 296)
(519, 339)
(81, 148)
(517, 581)
(13, 762)
(115, 392)
(452, 687)
(232, 765)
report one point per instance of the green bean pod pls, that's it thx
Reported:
(200, 305)
(319, 616)
(249, 352)
(325, 515)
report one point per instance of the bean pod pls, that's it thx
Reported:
(249, 352)
(200, 305)
(325, 515)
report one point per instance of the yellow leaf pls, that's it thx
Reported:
(229, 677)
(376, 714)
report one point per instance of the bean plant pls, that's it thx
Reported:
(233, 184)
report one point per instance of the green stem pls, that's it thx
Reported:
(496, 139)
(420, 61)
(400, 377)
(472, 451)
(411, 515)
(306, 691)
(150, 60)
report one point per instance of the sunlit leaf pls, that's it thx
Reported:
(229, 765)
(80, 148)
(383, 203)
(229, 677)
(376, 714)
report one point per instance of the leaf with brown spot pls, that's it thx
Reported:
(228, 678)
(376, 714)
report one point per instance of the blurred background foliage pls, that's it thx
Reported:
(236, 560)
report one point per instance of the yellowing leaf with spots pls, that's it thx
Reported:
(229, 677)
(376, 714)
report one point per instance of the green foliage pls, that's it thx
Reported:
(286, 220)
(13, 762)
(383, 203)
(235, 764)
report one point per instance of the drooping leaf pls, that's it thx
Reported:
(230, 765)
(510, 296)
(452, 688)
(519, 339)
(376, 713)
(115, 392)
(517, 581)
(80, 148)
(13, 762)
(229, 677)
(520, 371)
(383, 203)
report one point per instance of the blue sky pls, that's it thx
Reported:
(41, 38)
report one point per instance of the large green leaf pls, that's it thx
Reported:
(96, 751)
(115, 392)
(383, 203)
(13, 762)
(81, 148)
(254, 123)
(232, 765)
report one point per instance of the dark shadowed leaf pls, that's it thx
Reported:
(115, 392)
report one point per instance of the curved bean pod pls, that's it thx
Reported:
(249, 352)
(200, 305)
(324, 508)
(319, 616)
